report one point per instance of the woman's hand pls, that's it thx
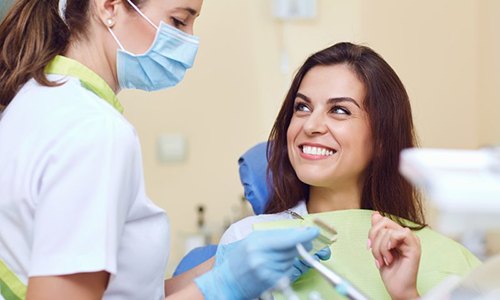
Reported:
(396, 250)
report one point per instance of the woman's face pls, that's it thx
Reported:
(137, 35)
(329, 136)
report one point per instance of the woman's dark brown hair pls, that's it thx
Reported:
(31, 35)
(388, 107)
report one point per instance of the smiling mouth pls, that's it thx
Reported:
(317, 151)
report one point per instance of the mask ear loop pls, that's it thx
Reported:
(114, 36)
(142, 14)
(109, 24)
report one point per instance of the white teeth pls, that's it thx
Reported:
(317, 151)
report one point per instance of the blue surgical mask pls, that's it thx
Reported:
(163, 65)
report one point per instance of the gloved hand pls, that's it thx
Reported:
(300, 266)
(255, 264)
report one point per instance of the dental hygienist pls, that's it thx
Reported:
(75, 221)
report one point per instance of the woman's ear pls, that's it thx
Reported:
(107, 10)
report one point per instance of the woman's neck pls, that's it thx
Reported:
(323, 199)
(93, 56)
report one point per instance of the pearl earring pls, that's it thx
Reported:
(109, 22)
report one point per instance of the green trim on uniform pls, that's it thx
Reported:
(90, 80)
(11, 288)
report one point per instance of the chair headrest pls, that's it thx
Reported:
(253, 176)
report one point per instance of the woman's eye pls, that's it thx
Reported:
(341, 110)
(301, 107)
(177, 23)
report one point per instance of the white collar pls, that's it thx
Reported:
(300, 209)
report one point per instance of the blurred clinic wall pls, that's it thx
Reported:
(446, 53)
(4, 6)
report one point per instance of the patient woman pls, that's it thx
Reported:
(335, 147)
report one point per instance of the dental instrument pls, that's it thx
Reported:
(327, 234)
(341, 285)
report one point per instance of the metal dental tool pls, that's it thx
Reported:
(342, 286)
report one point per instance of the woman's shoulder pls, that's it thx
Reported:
(69, 106)
(50, 123)
(69, 96)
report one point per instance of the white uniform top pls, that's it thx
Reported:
(72, 193)
(244, 227)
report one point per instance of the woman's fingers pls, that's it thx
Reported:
(388, 240)
(385, 251)
(379, 223)
(380, 250)
(376, 217)
(375, 248)
(389, 244)
(406, 242)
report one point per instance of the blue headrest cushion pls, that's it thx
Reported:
(253, 176)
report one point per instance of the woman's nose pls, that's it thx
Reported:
(315, 124)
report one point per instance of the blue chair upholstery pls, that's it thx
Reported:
(253, 176)
(195, 257)
(252, 170)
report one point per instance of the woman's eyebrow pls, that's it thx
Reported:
(303, 97)
(342, 99)
(190, 10)
(331, 100)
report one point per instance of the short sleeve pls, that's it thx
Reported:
(89, 180)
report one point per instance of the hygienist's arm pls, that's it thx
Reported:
(88, 286)
(81, 286)
(183, 280)
(189, 292)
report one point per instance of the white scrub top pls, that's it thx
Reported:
(72, 195)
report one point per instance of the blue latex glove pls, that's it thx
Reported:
(300, 266)
(255, 263)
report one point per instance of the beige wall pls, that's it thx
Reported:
(489, 72)
(446, 53)
(433, 46)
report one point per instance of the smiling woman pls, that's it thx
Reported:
(334, 148)
(357, 105)
(322, 148)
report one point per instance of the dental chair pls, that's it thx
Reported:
(252, 170)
